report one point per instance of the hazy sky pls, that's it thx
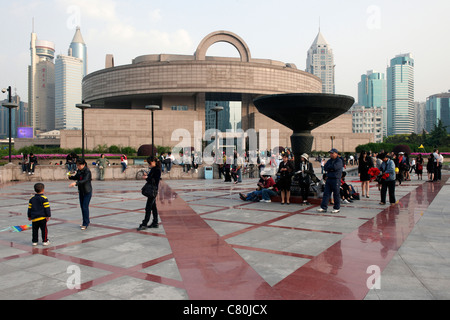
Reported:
(364, 35)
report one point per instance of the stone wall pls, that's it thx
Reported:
(13, 173)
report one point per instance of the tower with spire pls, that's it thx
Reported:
(69, 73)
(320, 62)
(78, 49)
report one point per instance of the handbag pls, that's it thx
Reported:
(150, 190)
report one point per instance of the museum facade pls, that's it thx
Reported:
(185, 87)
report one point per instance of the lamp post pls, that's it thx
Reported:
(10, 106)
(217, 109)
(152, 108)
(83, 107)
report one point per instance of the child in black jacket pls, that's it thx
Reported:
(39, 213)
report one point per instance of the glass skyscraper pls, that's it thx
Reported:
(400, 95)
(438, 108)
(69, 73)
(320, 62)
(68, 80)
(372, 95)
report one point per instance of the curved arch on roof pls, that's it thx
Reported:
(223, 36)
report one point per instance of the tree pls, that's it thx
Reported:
(438, 136)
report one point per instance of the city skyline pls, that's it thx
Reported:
(364, 35)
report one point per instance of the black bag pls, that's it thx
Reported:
(150, 190)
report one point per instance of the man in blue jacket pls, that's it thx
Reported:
(333, 168)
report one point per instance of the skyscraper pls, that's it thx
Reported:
(68, 81)
(41, 85)
(400, 95)
(78, 49)
(69, 74)
(320, 62)
(438, 108)
(372, 95)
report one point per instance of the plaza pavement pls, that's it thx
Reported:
(213, 246)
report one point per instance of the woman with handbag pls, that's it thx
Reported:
(152, 184)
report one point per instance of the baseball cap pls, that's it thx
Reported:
(333, 151)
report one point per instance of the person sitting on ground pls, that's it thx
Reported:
(321, 185)
(346, 194)
(265, 183)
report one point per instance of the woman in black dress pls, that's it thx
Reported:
(154, 177)
(365, 163)
(285, 169)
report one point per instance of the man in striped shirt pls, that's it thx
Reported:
(39, 213)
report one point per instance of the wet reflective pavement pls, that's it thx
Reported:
(213, 246)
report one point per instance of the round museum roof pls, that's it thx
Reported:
(161, 74)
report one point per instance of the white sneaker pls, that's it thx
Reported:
(266, 200)
(345, 201)
(34, 244)
(46, 243)
(335, 211)
(321, 210)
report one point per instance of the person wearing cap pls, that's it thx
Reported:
(387, 172)
(305, 172)
(333, 168)
(285, 169)
(266, 183)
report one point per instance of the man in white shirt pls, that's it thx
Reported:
(440, 164)
(436, 164)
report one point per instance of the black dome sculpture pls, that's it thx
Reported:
(303, 112)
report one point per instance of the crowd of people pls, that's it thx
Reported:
(387, 169)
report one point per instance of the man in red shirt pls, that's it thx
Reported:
(269, 190)
(266, 189)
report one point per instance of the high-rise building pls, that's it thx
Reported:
(438, 108)
(41, 85)
(419, 117)
(400, 95)
(320, 62)
(372, 95)
(68, 81)
(78, 50)
(368, 120)
(69, 73)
